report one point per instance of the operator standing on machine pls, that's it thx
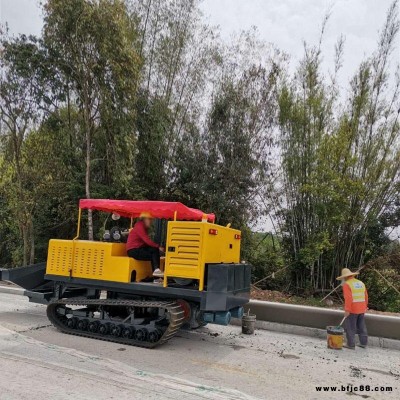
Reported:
(140, 247)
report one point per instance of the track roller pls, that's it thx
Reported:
(104, 328)
(82, 324)
(116, 330)
(128, 333)
(93, 326)
(141, 334)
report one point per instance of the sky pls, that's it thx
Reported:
(285, 23)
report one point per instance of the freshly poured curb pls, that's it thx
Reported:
(384, 330)
(315, 317)
(373, 341)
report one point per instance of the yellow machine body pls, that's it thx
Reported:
(190, 247)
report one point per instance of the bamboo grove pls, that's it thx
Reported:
(143, 100)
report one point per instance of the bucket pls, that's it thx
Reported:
(248, 324)
(335, 337)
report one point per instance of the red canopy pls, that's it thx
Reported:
(158, 209)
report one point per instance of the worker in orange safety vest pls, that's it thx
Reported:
(355, 306)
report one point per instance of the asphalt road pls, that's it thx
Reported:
(38, 362)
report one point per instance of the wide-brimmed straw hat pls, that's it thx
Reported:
(145, 214)
(346, 273)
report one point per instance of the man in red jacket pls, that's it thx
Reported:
(140, 247)
(355, 306)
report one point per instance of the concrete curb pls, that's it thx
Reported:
(12, 290)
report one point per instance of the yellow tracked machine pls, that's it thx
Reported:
(93, 289)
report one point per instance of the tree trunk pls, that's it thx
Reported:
(32, 244)
(87, 184)
(25, 238)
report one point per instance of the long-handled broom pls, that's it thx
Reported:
(341, 323)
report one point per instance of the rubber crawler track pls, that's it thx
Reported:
(175, 311)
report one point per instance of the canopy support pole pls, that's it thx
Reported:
(78, 230)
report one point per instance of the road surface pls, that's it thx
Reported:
(38, 362)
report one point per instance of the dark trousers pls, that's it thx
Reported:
(355, 324)
(146, 254)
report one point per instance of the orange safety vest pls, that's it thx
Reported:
(356, 296)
